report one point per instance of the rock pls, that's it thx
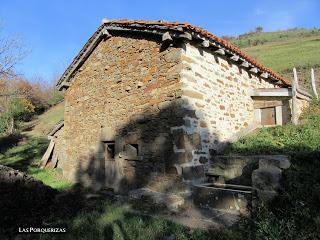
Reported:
(280, 161)
(193, 172)
(266, 178)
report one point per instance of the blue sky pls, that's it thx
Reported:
(54, 31)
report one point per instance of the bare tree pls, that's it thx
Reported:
(12, 52)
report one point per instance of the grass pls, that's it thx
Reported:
(45, 122)
(283, 50)
(288, 139)
(107, 220)
(26, 155)
(27, 150)
(259, 38)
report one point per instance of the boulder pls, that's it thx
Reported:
(267, 178)
(280, 161)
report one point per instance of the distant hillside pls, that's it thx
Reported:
(283, 50)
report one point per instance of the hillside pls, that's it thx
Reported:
(41, 126)
(283, 50)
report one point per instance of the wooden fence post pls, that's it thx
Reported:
(313, 83)
(294, 110)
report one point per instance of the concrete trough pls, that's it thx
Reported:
(224, 197)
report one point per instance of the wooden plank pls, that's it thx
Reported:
(54, 159)
(313, 83)
(47, 154)
(302, 96)
(304, 92)
(294, 110)
(56, 128)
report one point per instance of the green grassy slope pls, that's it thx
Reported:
(24, 151)
(284, 50)
(46, 121)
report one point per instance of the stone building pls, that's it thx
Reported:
(151, 97)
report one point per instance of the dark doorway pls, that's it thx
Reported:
(109, 150)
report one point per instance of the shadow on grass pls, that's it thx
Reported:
(7, 142)
(21, 152)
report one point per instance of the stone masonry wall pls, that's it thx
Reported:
(127, 91)
(219, 92)
(166, 110)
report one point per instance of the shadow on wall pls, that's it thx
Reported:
(164, 142)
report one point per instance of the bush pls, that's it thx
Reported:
(19, 109)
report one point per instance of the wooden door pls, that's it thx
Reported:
(268, 116)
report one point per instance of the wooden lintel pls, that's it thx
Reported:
(220, 51)
(166, 37)
(267, 103)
